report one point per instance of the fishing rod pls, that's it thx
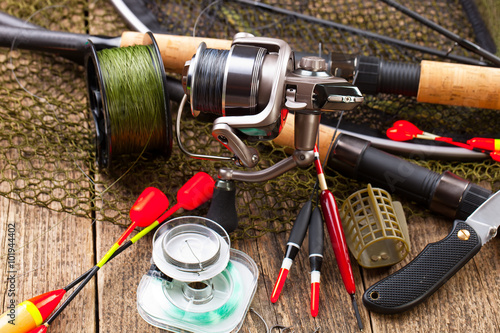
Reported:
(389, 77)
(176, 92)
(468, 45)
(353, 157)
(429, 81)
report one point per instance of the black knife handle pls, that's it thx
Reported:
(425, 274)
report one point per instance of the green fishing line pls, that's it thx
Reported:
(135, 99)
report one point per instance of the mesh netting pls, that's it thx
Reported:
(47, 136)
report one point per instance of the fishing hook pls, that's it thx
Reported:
(281, 328)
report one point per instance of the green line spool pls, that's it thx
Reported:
(128, 101)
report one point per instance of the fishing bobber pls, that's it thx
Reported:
(197, 283)
(30, 314)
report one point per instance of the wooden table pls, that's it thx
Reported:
(54, 248)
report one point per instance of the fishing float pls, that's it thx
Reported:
(32, 313)
(403, 130)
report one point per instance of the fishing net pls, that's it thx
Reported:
(47, 154)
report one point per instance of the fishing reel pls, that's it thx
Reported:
(250, 89)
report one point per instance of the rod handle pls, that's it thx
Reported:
(353, 157)
(461, 85)
(175, 50)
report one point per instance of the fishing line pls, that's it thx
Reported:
(154, 74)
(128, 101)
(201, 13)
(207, 92)
(135, 98)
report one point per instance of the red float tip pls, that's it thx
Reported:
(495, 156)
(46, 303)
(278, 286)
(148, 206)
(403, 130)
(406, 126)
(314, 299)
(396, 135)
(197, 190)
(39, 329)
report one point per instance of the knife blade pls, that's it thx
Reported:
(437, 262)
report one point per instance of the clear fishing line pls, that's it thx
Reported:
(179, 296)
(233, 292)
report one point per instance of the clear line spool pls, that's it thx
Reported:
(139, 128)
(375, 228)
(181, 296)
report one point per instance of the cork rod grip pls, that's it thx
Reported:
(175, 50)
(286, 137)
(462, 85)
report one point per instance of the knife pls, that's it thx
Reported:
(437, 262)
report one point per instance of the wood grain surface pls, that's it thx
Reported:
(54, 248)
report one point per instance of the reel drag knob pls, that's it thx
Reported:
(313, 64)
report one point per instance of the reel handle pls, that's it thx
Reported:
(175, 50)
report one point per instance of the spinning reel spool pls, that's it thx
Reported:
(128, 118)
(197, 283)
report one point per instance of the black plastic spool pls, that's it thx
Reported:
(100, 113)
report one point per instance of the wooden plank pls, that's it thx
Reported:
(118, 281)
(42, 166)
(51, 249)
(293, 307)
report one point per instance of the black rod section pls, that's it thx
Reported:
(365, 33)
(468, 45)
(68, 45)
(444, 193)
